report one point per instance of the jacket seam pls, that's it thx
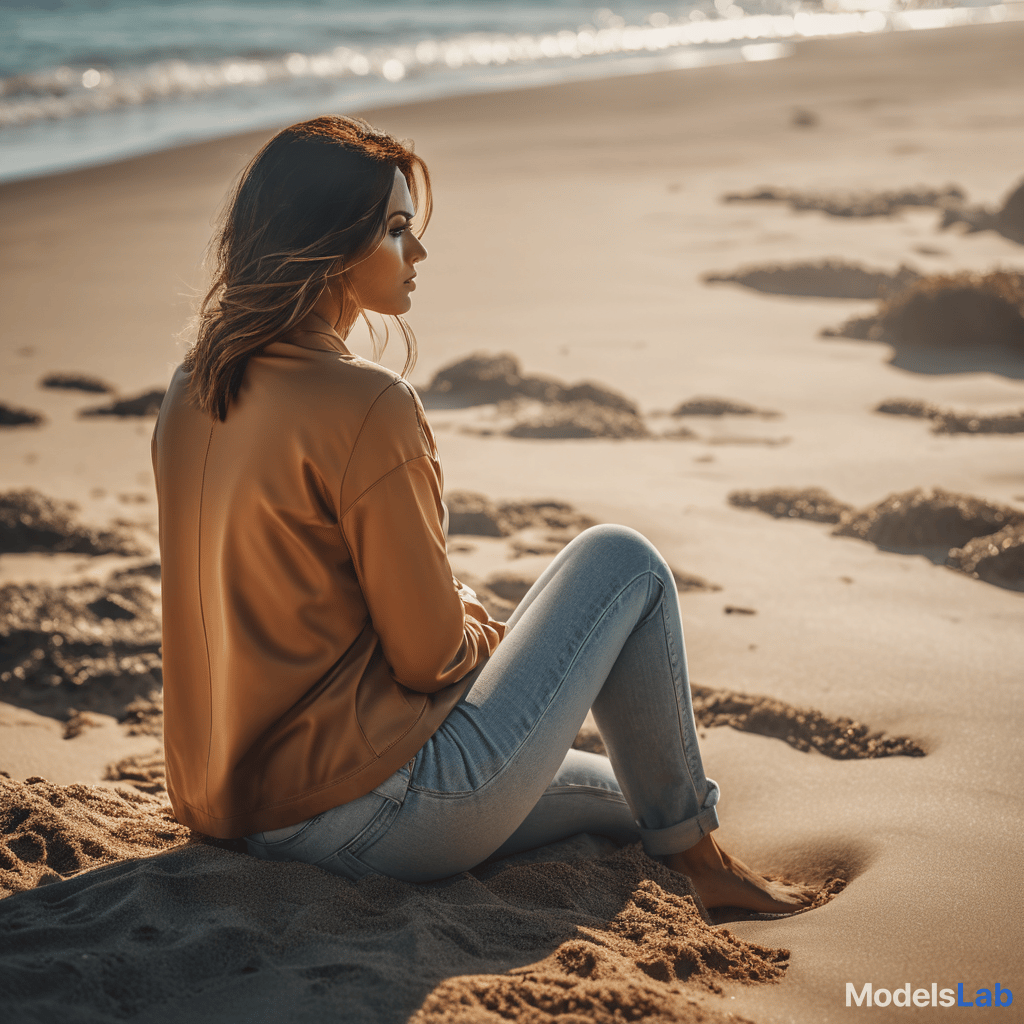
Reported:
(202, 616)
(381, 480)
(359, 435)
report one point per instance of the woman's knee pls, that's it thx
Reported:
(613, 542)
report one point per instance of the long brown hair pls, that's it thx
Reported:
(312, 203)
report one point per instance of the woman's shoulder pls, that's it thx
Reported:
(318, 380)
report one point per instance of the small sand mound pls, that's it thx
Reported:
(509, 587)
(949, 422)
(831, 279)
(705, 406)
(580, 420)
(996, 558)
(1010, 219)
(908, 407)
(146, 404)
(12, 417)
(957, 311)
(475, 514)
(803, 728)
(687, 582)
(144, 716)
(568, 934)
(76, 382)
(481, 379)
(865, 203)
(927, 519)
(49, 832)
(60, 649)
(146, 772)
(787, 502)
(629, 970)
(29, 521)
(858, 328)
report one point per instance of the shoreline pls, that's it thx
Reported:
(573, 227)
(715, 43)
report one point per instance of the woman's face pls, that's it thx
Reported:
(384, 280)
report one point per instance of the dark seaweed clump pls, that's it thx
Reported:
(30, 521)
(85, 647)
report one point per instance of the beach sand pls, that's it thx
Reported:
(573, 229)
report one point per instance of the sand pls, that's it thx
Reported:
(573, 230)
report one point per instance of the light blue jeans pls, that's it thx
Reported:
(599, 629)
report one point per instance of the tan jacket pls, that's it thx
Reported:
(313, 635)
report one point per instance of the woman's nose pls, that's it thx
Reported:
(419, 253)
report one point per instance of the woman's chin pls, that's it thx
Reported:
(396, 308)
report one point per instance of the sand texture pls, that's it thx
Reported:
(856, 674)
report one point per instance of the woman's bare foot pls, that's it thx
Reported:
(723, 881)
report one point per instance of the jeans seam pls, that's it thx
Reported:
(674, 668)
(554, 693)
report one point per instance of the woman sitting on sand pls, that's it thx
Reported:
(331, 692)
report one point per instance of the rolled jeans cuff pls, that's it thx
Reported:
(659, 842)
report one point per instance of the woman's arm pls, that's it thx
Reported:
(394, 527)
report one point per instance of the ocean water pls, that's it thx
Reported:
(88, 81)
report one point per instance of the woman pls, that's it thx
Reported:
(331, 692)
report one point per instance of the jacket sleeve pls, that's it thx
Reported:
(393, 521)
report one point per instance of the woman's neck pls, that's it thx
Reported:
(314, 323)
